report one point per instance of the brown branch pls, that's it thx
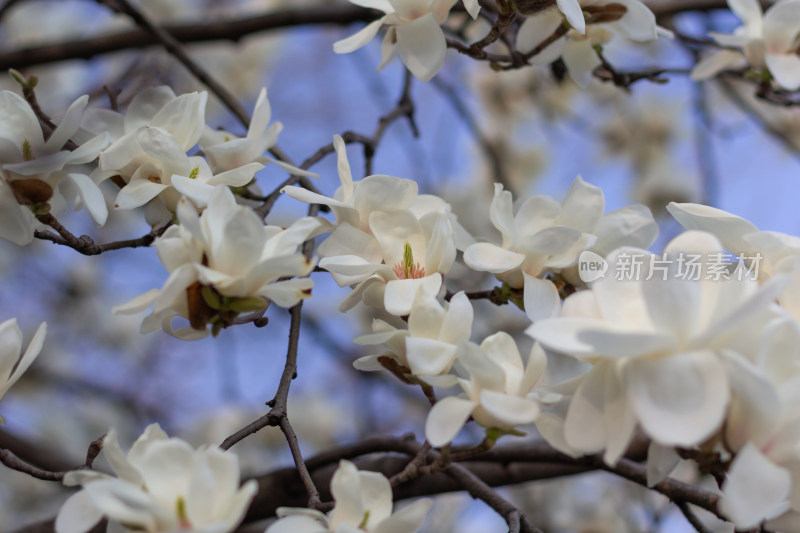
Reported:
(225, 30)
(173, 46)
(10, 459)
(277, 415)
(84, 244)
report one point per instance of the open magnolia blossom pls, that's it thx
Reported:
(149, 153)
(629, 18)
(773, 251)
(389, 241)
(665, 345)
(226, 151)
(13, 363)
(498, 393)
(545, 236)
(414, 33)
(428, 347)
(225, 262)
(37, 174)
(763, 428)
(363, 503)
(766, 40)
(162, 485)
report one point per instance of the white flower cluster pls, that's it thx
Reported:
(415, 33)
(766, 42)
(222, 259)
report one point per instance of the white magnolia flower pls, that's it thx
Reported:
(32, 170)
(498, 394)
(363, 504)
(576, 48)
(162, 485)
(149, 152)
(414, 33)
(13, 363)
(226, 151)
(545, 236)
(771, 250)
(224, 262)
(389, 241)
(766, 40)
(662, 348)
(762, 431)
(428, 347)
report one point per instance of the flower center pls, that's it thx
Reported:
(27, 150)
(407, 268)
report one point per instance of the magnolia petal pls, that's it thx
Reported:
(584, 428)
(138, 304)
(399, 295)
(426, 317)
(357, 40)
(746, 10)
(137, 193)
(446, 419)
(631, 225)
(510, 410)
(755, 406)
(620, 421)
(124, 502)
(422, 46)
(534, 369)
(289, 292)
(145, 105)
(679, 400)
(457, 323)
(18, 121)
(501, 213)
(388, 48)
(534, 30)
(346, 492)
(780, 28)
(755, 489)
(581, 60)
(184, 118)
(638, 23)
(117, 459)
(429, 356)
(91, 196)
(728, 228)
(262, 114)
(297, 524)
(407, 520)
(717, 62)
(487, 257)
(661, 461)
(472, 7)
(572, 10)
(785, 68)
(583, 206)
(68, 125)
(368, 363)
(541, 298)
(78, 514)
(17, 223)
(376, 496)
(291, 169)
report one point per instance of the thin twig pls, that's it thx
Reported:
(174, 47)
(15, 463)
(84, 244)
